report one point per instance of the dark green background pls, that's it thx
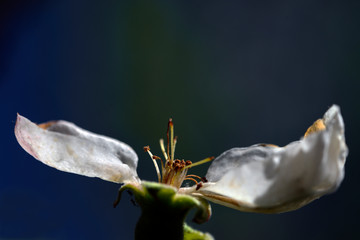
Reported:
(229, 73)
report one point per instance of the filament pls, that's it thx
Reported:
(191, 179)
(168, 138)
(172, 138)
(163, 148)
(192, 175)
(147, 149)
(199, 162)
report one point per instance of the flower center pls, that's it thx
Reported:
(173, 171)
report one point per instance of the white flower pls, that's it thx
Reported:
(260, 178)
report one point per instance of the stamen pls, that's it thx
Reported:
(172, 138)
(163, 148)
(177, 165)
(174, 171)
(158, 158)
(168, 138)
(196, 182)
(147, 149)
(199, 162)
(173, 146)
(192, 175)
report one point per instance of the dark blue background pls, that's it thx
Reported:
(229, 73)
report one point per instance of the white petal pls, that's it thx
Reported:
(65, 146)
(272, 179)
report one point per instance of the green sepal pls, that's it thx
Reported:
(164, 211)
(192, 234)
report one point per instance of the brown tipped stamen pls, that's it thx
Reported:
(200, 162)
(203, 179)
(168, 138)
(174, 171)
(172, 138)
(147, 149)
(196, 182)
(158, 158)
(192, 175)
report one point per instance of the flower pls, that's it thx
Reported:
(260, 178)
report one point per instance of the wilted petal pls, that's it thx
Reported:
(65, 146)
(266, 178)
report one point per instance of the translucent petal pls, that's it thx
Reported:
(266, 178)
(65, 146)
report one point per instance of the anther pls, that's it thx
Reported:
(199, 185)
(203, 179)
(147, 148)
(158, 158)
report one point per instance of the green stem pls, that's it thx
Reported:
(160, 222)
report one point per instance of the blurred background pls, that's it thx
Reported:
(230, 74)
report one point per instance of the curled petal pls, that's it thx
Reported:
(65, 146)
(269, 179)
